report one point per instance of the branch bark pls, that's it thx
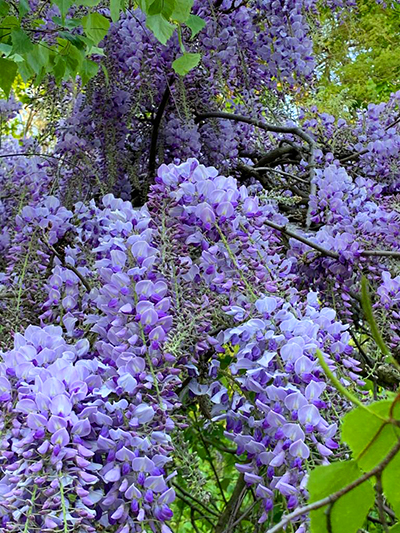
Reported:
(231, 505)
(156, 126)
(274, 128)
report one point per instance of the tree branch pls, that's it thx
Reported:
(227, 514)
(325, 251)
(156, 126)
(274, 128)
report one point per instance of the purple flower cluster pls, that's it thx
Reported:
(88, 424)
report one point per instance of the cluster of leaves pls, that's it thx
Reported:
(62, 38)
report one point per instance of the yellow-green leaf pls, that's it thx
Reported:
(185, 63)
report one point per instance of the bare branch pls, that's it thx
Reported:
(156, 126)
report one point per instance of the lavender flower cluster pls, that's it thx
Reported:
(90, 393)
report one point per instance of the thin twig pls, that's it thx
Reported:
(193, 521)
(283, 173)
(190, 504)
(274, 128)
(72, 268)
(325, 251)
(379, 501)
(194, 499)
(210, 460)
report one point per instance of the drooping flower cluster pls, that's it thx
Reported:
(139, 293)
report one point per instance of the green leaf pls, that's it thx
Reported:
(88, 70)
(369, 438)
(23, 8)
(69, 23)
(25, 71)
(186, 63)
(168, 8)
(4, 8)
(161, 28)
(196, 24)
(21, 42)
(74, 39)
(38, 58)
(156, 7)
(390, 484)
(63, 6)
(73, 60)
(349, 512)
(8, 23)
(115, 9)
(395, 528)
(8, 71)
(181, 10)
(5, 48)
(59, 68)
(95, 26)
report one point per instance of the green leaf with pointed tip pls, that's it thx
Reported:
(115, 9)
(390, 484)
(105, 72)
(350, 511)
(95, 26)
(25, 71)
(59, 68)
(369, 438)
(186, 63)
(8, 71)
(21, 42)
(88, 70)
(367, 308)
(161, 28)
(9, 23)
(74, 39)
(196, 24)
(181, 10)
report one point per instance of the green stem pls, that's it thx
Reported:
(181, 45)
(341, 388)
(63, 506)
(28, 514)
